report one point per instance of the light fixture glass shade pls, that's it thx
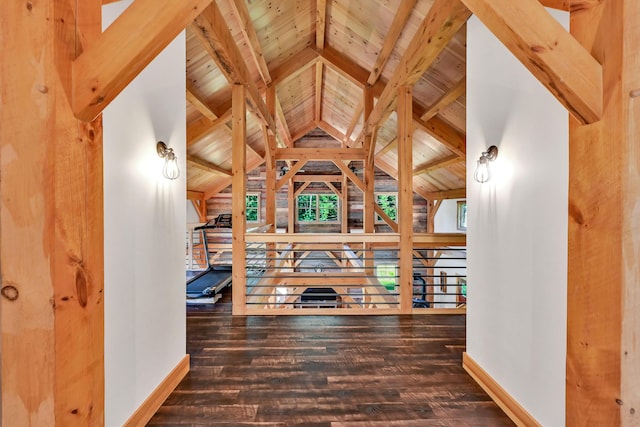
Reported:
(171, 170)
(483, 171)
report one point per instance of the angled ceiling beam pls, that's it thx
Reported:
(446, 99)
(352, 176)
(198, 102)
(249, 34)
(557, 4)
(283, 129)
(550, 53)
(295, 65)
(303, 131)
(290, 173)
(200, 128)
(392, 171)
(222, 183)
(442, 22)
(393, 33)
(321, 18)
(354, 121)
(333, 132)
(349, 69)
(390, 146)
(440, 130)
(437, 164)
(102, 71)
(207, 166)
(211, 28)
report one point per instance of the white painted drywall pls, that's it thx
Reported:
(144, 216)
(446, 220)
(517, 228)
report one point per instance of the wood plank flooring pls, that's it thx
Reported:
(326, 371)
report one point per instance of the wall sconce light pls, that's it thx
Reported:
(483, 171)
(170, 169)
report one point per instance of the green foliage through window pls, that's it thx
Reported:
(389, 204)
(317, 208)
(252, 207)
(387, 275)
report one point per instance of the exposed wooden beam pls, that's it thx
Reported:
(458, 193)
(222, 183)
(442, 22)
(302, 132)
(198, 102)
(382, 214)
(319, 153)
(103, 70)
(195, 195)
(349, 69)
(333, 132)
(249, 34)
(354, 121)
(321, 17)
(393, 33)
(317, 112)
(202, 127)
(295, 65)
(393, 173)
(390, 146)
(303, 187)
(352, 176)
(238, 200)
(317, 178)
(283, 128)
(290, 173)
(557, 4)
(212, 31)
(443, 133)
(333, 188)
(405, 197)
(447, 98)
(548, 51)
(207, 166)
(437, 164)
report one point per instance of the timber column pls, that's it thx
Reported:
(51, 217)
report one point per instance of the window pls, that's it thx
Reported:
(252, 207)
(387, 275)
(317, 208)
(462, 215)
(389, 204)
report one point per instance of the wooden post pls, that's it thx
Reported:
(239, 185)
(345, 205)
(51, 216)
(603, 350)
(405, 196)
(369, 173)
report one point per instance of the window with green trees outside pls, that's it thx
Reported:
(317, 208)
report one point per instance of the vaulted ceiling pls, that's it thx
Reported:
(320, 60)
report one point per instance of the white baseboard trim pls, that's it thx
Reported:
(504, 400)
(150, 406)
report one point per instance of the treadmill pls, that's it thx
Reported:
(215, 278)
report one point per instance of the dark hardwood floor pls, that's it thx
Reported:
(326, 371)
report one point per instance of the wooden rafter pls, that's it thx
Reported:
(557, 4)
(223, 183)
(317, 112)
(548, 51)
(447, 98)
(198, 102)
(390, 146)
(393, 33)
(103, 70)
(392, 171)
(437, 164)
(202, 127)
(349, 69)
(212, 31)
(333, 132)
(442, 22)
(303, 131)
(207, 166)
(283, 128)
(441, 131)
(295, 65)
(249, 34)
(458, 193)
(354, 121)
(321, 18)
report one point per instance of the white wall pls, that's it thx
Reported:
(517, 229)
(446, 220)
(144, 232)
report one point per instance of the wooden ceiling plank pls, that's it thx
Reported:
(441, 23)
(393, 33)
(250, 36)
(207, 166)
(550, 53)
(443, 133)
(390, 146)
(319, 153)
(437, 164)
(349, 69)
(446, 99)
(212, 31)
(97, 81)
(321, 19)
